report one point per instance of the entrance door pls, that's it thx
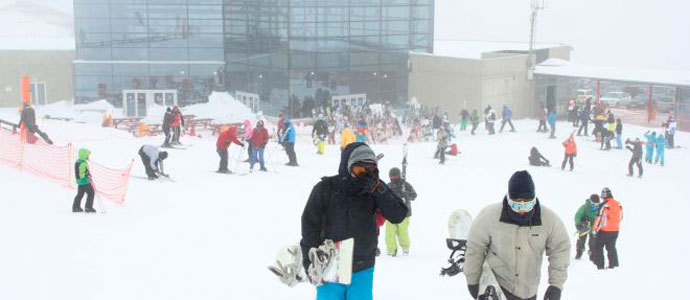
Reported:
(551, 98)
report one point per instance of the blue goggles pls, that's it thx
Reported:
(522, 206)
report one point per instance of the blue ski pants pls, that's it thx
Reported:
(650, 154)
(660, 155)
(619, 143)
(361, 288)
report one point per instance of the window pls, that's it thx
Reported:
(38, 92)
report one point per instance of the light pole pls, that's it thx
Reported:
(536, 6)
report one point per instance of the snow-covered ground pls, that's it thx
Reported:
(211, 236)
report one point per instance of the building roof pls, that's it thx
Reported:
(474, 49)
(558, 67)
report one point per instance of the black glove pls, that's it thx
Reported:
(552, 293)
(474, 290)
(373, 185)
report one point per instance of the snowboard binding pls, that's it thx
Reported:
(490, 293)
(321, 261)
(288, 266)
(456, 258)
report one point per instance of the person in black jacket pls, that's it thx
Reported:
(28, 118)
(344, 206)
(636, 148)
(536, 159)
(167, 123)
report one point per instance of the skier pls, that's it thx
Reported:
(167, 123)
(346, 137)
(572, 111)
(542, 119)
(584, 118)
(475, 120)
(84, 186)
(222, 143)
(288, 141)
(507, 118)
(319, 134)
(512, 237)
(491, 120)
(398, 233)
(551, 118)
(178, 122)
(441, 147)
(258, 140)
(28, 118)
(281, 127)
(536, 159)
(584, 222)
(670, 126)
(486, 116)
(651, 139)
(570, 152)
(344, 206)
(464, 118)
(247, 137)
(606, 227)
(636, 148)
(661, 144)
(153, 161)
(619, 134)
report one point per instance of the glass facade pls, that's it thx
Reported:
(148, 44)
(304, 50)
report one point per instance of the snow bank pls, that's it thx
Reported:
(221, 107)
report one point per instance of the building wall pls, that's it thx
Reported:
(562, 52)
(504, 81)
(54, 67)
(446, 82)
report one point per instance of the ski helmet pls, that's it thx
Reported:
(606, 193)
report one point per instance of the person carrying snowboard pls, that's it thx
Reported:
(570, 152)
(153, 161)
(584, 222)
(167, 124)
(398, 233)
(512, 236)
(651, 140)
(606, 226)
(84, 186)
(636, 148)
(28, 119)
(258, 140)
(475, 120)
(344, 206)
(222, 143)
(536, 159)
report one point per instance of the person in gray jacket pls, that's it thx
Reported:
(512, 237)
(153, 161)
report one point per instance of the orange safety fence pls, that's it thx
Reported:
(57, 164)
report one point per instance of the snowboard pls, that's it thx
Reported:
(330, 262)
(459, 224)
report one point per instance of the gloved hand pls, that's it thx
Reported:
(474, 290)
(373, 184)
(552, 293)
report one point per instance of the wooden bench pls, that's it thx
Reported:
(128, 121)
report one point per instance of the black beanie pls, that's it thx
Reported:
(521, 186)
(394, 172)
(594, 198)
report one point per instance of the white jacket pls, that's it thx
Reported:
(515, 253)
(153, 153)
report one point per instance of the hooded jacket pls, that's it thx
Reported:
(259, 137)
(227, 137)
(515, 252)
(248, 130)
(290, 135)
(346, 137)
(81, 168)
(570, 146)
(610, 216)
(334, 212)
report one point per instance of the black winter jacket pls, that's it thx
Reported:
(167, 120)
(333, 212)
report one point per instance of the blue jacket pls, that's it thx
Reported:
(551, 118)
(661, 142)
(507, 113)
(650, 139)
(289, 135)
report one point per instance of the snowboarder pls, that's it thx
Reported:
(398, 233)
(651, 140)
(84, 186)
(507, 118)
(536, 159)
(464, 118)
(542, 119)
(491, 120)
(344, 206)
(584, 119)
(512, 237)
(346, 136)
(661, 144)
(222, 143)
(606, 227)
(584, 222)
(258, 140)
(319, 134)
(475, 120)
(177, 123)
(636, 148)
(570, 152)
(167, 124)
(619, 134)
(670, 126)
(153, 161)
(28, 119)
(288, 142)
(441, 146)
(486, 116)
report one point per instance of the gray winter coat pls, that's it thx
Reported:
(515, 252)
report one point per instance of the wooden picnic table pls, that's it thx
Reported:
(206, 122)
(127, 121)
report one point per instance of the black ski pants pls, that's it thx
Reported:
(606, 239)
(491, 128)
(580, 245)
(166, 131)
(503, 124)
(635, 161)
(474, 127)
(568, 158)
(542, 126)
(440, 153)
(585, 122)
(176, 134)
(537, 161)
(223, 153)
(146, 160)
(290, 150)
(90, 194)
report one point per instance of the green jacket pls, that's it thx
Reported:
(81, 168)
(585, 211)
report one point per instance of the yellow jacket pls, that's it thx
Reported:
(346, 137)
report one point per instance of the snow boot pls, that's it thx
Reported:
(90, 210)
(263, 169)
(77, 209)
(578, 255)
(406, 252)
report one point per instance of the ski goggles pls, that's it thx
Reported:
(361, 169)
(522, 206)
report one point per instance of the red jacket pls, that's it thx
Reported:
(227, 137)
(259, 137)
(570, 146)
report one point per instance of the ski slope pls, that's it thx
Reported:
(211, 236)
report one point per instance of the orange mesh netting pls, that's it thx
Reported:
(57, 164)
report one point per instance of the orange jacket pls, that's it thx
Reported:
(610, 216)
(570, 147)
